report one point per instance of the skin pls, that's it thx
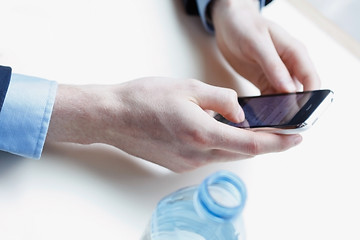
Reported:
(260, 50)
(166, 120)
(172, 129)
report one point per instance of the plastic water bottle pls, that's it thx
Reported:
(209, 211)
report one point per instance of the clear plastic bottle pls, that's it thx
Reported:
(209, 211)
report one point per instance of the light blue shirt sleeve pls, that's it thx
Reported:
(25, 115)
(202, 5)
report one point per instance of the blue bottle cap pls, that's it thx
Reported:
(222, 195)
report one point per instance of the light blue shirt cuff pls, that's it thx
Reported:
(202, 5)
(25, 116)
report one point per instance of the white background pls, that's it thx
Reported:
(98, 192)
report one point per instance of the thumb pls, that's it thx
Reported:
(221, 100)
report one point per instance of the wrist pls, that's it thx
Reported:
(77, 115)
(233, 16)
(220, 7)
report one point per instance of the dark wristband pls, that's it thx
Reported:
(5, 75)
(192, 9)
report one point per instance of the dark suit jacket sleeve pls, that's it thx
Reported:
(192, 9)
(5, 75)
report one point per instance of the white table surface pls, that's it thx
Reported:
(99, 192)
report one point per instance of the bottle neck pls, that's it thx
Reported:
(221, 196)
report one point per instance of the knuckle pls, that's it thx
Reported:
(253, 146)
(231, 94)
(193, 84)
(230, 102)
(199, 137)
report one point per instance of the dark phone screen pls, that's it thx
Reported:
(278, 110)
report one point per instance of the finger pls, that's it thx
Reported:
(220, 100)
(251, 143)
(273, 67)
(302, 69)
(296, 58)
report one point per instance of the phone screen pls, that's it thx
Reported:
(277, 110)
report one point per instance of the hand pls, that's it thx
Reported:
(161, 120)
(261, 51)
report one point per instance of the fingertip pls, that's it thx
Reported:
(297, 139)
(285, 83)
(230, 108)
(240, 116)
(236, 114)
(292, 140)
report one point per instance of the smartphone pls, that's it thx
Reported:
(282, 113)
